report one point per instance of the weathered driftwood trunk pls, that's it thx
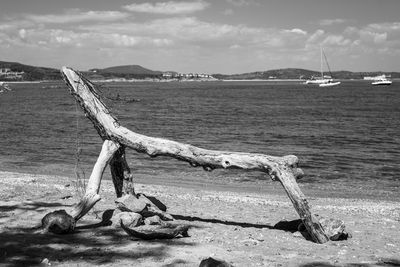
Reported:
(283, 169)
(121, 174)
(91, 196)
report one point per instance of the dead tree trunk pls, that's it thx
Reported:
(283, 169)
(91, 196)
(121, 174)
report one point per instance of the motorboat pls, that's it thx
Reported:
(381, 80)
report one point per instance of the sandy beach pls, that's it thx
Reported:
(237, 227)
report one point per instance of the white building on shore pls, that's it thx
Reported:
(8, 74)
(174, 75)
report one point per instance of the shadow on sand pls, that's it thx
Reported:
(93, 243)
(288, 226)
(29, 205)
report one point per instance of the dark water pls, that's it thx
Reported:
(347, 137)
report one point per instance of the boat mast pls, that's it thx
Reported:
(322, 72)
(326, 60)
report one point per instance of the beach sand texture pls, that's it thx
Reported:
(234, 226)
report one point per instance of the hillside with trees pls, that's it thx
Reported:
(126, 71)
(28, 73)
(293, 73)
(33, 73)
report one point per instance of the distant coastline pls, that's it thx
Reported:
(262, 80)
(17, 72)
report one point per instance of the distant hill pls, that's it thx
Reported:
(126, 71)
(293, 73)
(33, 73)
(289, 73)
(30, 73)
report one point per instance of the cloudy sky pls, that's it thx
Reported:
(219, 36)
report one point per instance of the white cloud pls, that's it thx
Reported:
(380, 38)
(316, 37)
(351, 30)
(368, 36)
(335, 40)
(389, 27)
(170, 8)
(329, 22)
(74, 16)
(55, 38)
(22, 33)
(187, 31)
(298, 31)
(376, 36)
(240, 2)
(165, 38)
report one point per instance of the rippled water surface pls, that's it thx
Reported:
(347, 137)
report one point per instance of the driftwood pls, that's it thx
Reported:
(284, 169)
(58, 222)
(91, 196)
(211, 262)
(121, 172)
(157, 232)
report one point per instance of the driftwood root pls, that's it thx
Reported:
(146, 206)
(211, 262)
(151, 232)
(58, 222)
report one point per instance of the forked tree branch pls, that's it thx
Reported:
(283, 168)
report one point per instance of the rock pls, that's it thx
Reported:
(131, 203)
(58, 222)
(335, 229)
(297, 234)
(153, 220)
(129, 219)
(211, 262)
(45, 262)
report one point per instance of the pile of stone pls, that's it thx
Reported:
(144, 218)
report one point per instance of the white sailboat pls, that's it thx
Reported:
(323, 81)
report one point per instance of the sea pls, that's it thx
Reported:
(346, 137)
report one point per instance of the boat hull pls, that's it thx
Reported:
(382, 83)
(316, 81)
(329, 84)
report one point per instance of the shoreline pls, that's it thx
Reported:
(117, 80)
(327, 189)
(226, 194)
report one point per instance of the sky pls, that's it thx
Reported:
(203, 36)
